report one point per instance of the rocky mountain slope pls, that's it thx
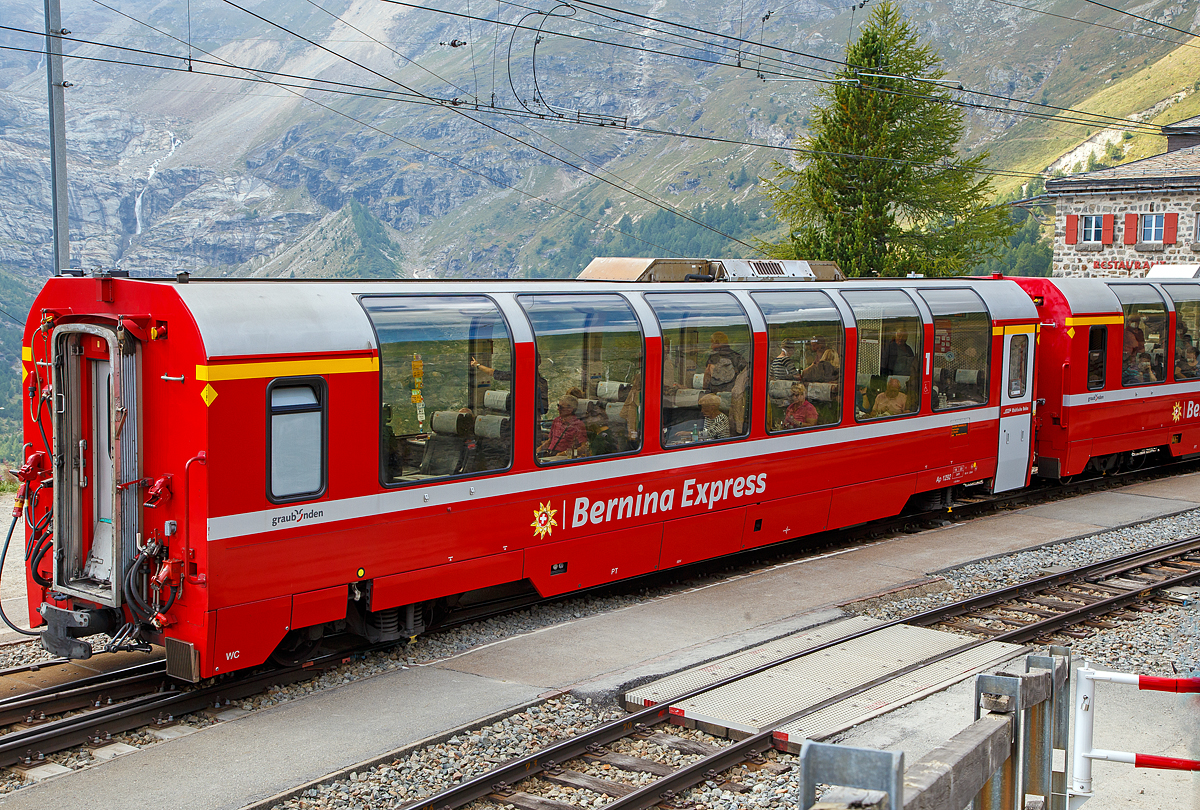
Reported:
(174, 170)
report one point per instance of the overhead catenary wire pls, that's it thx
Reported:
(418, 147)
(641, 129)
(1079, 117)
(681, 214)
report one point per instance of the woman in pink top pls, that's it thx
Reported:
(801, 412)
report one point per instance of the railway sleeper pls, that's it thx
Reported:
(528, 801)
(629, 763)
(583, 781)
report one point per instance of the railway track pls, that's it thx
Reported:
(1043, 607)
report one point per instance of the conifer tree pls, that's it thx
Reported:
(880, 188)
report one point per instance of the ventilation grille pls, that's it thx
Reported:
(767, 268)
(182, 661)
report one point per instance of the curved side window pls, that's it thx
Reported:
(1187, 327)
(962, 339)
(296, 412)
(806, 336)
(706, 367)
(446, 378)
(590, 356)
(1144, 341)
(888, 379)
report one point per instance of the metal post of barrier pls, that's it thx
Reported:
(866, 768)
(1083, 752)
(1051, 728)
(1004, 693)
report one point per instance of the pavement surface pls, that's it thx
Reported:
(248, 759)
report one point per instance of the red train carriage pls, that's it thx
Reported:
(1117, 371)
(235, 468)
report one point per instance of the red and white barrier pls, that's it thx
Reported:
(1083, 753)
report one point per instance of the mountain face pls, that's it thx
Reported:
(241, 166)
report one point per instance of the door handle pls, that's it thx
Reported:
(83, 482)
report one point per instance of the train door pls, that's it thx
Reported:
(95, 451)
(1016, 410)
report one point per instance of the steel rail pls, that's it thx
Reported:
(92, 691)
(1107, 567)
(31, 745)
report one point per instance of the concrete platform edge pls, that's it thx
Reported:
(387, 756)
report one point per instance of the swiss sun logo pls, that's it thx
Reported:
(543, 520)
(1177, 412)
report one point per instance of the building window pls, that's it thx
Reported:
(1093, 228)
(296, 451)
(1152, 228)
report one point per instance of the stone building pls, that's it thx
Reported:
(1119, 222)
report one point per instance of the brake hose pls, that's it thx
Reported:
(3, 554)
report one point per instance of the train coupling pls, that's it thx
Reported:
(64, 627)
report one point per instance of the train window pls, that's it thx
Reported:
(590, 358)
(888, 378)
(296, 453)
(1018, 365)
(1187, 326)
(706, 367)
(1097, 345)
(1144, 342)
(446, 386)
(806, 337)
(962, 339)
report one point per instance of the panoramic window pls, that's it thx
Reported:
(1097, 345)
(446, 386)
(1144, 341)
(962, 337)
(1152, 228)
(1093, 228)
(1187, 327)
(589, 378)
(706, 367)
(888, 378)
(297, 436)
(806, 338)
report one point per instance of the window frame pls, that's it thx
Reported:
(987, 360)
(648, 295)
(1102, 331)
(1156, 223)
(920, 318)
(1097, 230)
(321, 390)
(641, 327)
(1166, 314)
(841, 322)
(516, 380)
(1168, 289)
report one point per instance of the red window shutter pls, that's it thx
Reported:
(1170, 226)
(1072, 228)
(1131, 229)
(1107, 236)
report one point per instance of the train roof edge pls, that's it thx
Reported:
(640, 269)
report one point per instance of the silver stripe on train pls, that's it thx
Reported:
(448, 493)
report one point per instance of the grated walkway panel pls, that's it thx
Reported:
(762, 700)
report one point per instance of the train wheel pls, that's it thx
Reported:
(298, 646)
